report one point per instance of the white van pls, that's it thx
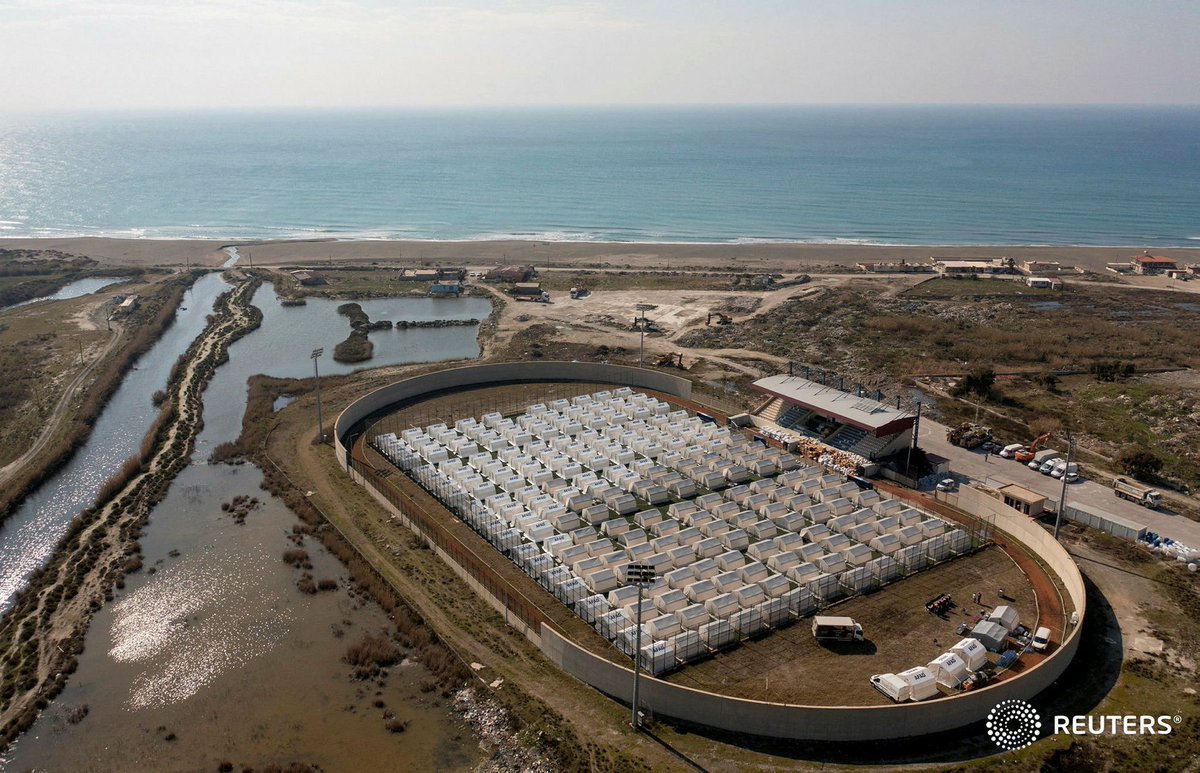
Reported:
(1041, 639)
(1008, 451)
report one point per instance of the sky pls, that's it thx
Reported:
(180, 54)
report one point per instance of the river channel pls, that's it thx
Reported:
(216, 655)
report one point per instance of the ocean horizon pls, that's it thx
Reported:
(1120, 176)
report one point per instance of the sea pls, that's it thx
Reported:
(1093, 176)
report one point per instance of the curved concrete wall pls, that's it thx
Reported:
(501, 373)
(838, 723)
(814, 723)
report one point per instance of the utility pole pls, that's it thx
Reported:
(1062, 497)
(316, 353)
(640, 575)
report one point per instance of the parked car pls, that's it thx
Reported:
(1041, 639)
(947, 484)
(1048, 466)
(1008, 451)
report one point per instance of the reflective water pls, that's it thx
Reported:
(218, 646)
(283, 344)
(29, 536)
(219, 649)
(75, 289)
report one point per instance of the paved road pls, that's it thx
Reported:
(971, 465)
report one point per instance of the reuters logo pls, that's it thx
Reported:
(1013, 724)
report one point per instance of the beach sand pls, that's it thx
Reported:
(745, 257)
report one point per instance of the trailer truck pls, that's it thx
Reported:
(1136, 492)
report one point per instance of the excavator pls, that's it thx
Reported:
(1028, 453)
(672, 360)
(722, 318)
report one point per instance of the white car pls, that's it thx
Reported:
(1059, 469)
(1009, 450)
(947, 484)
(1041, 639)
(1047, 466)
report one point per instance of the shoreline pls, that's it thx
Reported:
(732, 256)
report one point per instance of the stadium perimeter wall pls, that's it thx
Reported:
(722, 712)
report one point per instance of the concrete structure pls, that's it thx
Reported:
(419, 275)
(1034, 267)
(895, 267)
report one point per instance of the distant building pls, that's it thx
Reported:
(510, 274)
(129, 304)
(446, 288)
(1041, 267)
(1044, 282)
(1151, 264)
(972, 266)
(307, 278)
(527, 288)
(894, 267)
(451, 274)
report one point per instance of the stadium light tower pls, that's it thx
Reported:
(316, 353)
(640, 575)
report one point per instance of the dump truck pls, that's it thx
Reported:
(1136, 492)
(829, 628)
(542, 298)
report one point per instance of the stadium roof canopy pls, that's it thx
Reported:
(863, 412)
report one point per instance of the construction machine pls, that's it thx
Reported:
(1025, 456)
(722, 318)
(968, 435)
(672, 360)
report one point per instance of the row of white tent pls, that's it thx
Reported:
(710, 572)
(951, 668)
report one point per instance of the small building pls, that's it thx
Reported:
(308, 278)
(509, 274)
(1044, 283)
(446, 289)
(1033, 267)
(128, 304)
(1152, 264)
(419, 275)
(451, 274)
(1022, 499)
(527, 288)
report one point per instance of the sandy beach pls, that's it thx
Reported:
(617, 255)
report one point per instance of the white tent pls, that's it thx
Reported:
(990, 634)
(949, 669)
(1006, 616)
(972, 652)
(921, 682)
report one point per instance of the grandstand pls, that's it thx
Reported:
(850, 422)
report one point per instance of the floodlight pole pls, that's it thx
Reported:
(640, 575)
(316, 353)
(1062, 497)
